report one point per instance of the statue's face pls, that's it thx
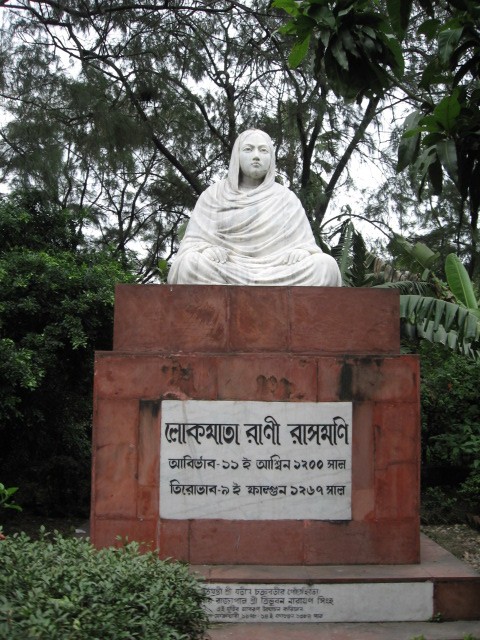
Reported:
(255, 157)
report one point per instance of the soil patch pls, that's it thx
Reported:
(461, 540)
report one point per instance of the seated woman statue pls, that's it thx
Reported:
(250, 230)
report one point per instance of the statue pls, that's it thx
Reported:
(250, 230)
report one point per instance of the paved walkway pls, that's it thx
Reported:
(349, 631)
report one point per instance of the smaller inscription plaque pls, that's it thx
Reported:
(349, 602)
(255, 460)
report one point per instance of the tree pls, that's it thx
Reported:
(56, 307)
(366, 49)
(137, 109)
(442, 136)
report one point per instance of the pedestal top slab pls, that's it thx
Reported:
(220, 319)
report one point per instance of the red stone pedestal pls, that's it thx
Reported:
(294, 344)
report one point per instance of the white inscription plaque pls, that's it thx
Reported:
(240, 460)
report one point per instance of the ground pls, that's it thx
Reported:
(461, 540)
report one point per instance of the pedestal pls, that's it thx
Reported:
(269, 344)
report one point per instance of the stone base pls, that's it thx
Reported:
(439, 586)
(289, 344)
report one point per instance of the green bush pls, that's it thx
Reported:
(451, 421)
(64, 589)
(470, 491)
(6, 494)
(438, 507)
(56, 309)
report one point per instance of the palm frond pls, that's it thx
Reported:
(351, 254)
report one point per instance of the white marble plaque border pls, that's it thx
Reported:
(247, 460)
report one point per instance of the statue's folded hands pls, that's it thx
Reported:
(216, 254)
(295, 256)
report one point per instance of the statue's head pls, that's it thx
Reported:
(253, 159)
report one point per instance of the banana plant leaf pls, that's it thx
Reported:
(442, 322)
(459, 282)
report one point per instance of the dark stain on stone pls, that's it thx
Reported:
(288, 387)
(270, 385)
(186, 373)
(217, 333)
(266, 385)
(177, 373)
(150, 406)
(346, 388)
(346, 381)
(204, 315)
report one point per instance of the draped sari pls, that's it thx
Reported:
(258, 229)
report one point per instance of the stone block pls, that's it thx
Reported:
(189, 318)
(341, 321)
(329, 380)
(147, 502)
(258, 320)
(397, 438)
(116, 421)
(174, 539)
(246, 542)
(457, 599)
(149, 443)
(170, 318)
(363, 450)
(115, 484)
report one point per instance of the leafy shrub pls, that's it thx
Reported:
(470, 491)
(64, 589)
(438, 507)
(6, 494)
(450, 407)
(450, 430)
(56, 309)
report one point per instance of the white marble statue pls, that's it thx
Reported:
(250, 230)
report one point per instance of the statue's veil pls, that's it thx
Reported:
(234, 167)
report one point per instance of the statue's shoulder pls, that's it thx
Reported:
(213, 189)
(207, 199)
(285, 192)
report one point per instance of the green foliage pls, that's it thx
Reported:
(351, 254)
(460, 284)
(438, 507)
(469, 490)
(139, 118)
(442, 136)
(439, 319)
(6, 497)
(451, 416)
(355, 46)
(56, 307)
(437, 617)
(64, 588)
(417, 257)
